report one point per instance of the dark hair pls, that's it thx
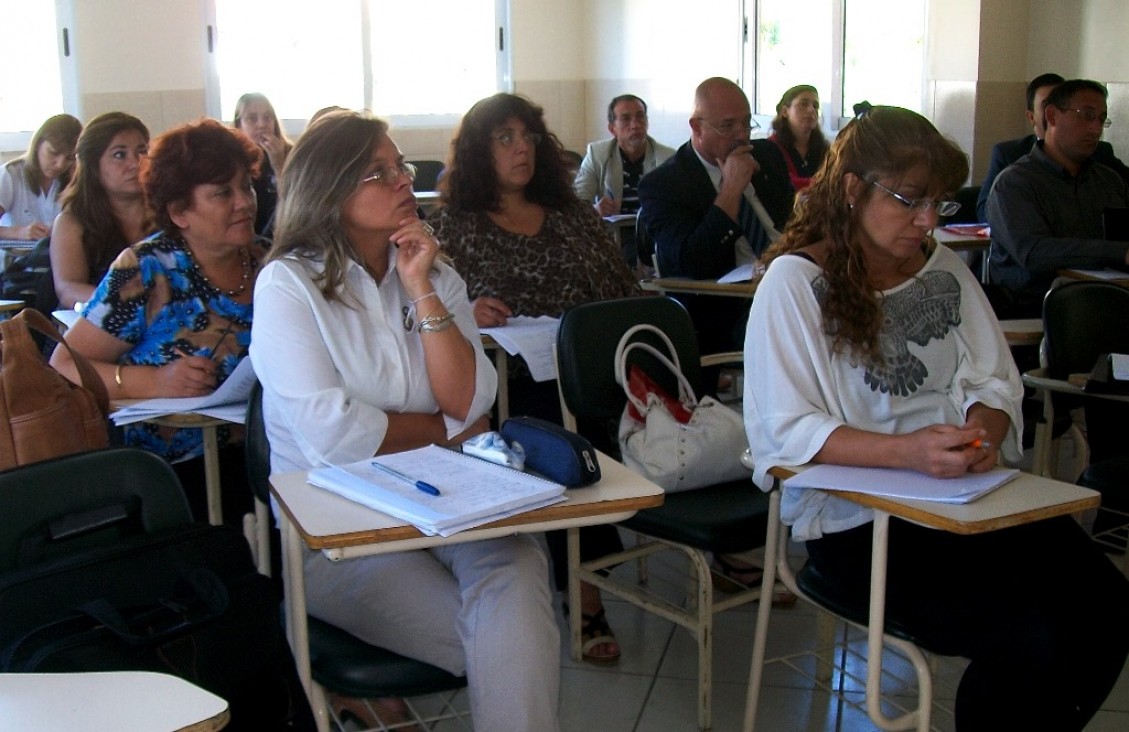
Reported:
(190, 155)
(249, 98)
(884, 142)
(322, 172)
(471, 183)
(623, 98)
(817, 147)
(62, 132)
(1061, 94)
(86, 199)
(1049, 79)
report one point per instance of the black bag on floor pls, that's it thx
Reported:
(186, 602)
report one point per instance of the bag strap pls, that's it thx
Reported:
(32, 319)
(624, 349)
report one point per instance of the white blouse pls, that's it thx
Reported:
(944, 352)
(331, 371)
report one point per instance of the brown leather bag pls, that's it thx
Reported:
(42, 414)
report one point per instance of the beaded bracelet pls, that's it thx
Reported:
(436, 323)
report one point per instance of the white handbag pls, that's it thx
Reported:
(705, 451)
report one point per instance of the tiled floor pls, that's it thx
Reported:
(653, 688)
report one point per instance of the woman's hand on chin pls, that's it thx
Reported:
(416, 249)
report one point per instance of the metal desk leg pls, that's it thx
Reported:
(297, 629)
(574, 617)
(212, 474)
(503, 369)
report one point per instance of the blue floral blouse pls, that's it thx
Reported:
(155, 298)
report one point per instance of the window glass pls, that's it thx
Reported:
(32, 88)
(884, 53)
(793, 47)
(432, 56)
(301, 56)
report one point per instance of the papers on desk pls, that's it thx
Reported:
(1119, 365)
(969, 229)
(229, 402)
(902, 483)
(617, 218)
(472, 491)
(532, 339)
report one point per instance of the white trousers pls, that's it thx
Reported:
(481, 608)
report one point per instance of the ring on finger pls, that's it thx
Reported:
(427, 228)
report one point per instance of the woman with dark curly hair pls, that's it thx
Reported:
(870, 345)
(172, 316)
(795, 130)
(526, 245)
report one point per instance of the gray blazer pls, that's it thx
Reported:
(602, 168)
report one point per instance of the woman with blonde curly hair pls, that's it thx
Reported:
(870, 345)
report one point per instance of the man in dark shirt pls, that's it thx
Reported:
(1006, 153)
(1046, 209)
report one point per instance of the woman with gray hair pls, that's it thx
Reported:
(365, 344)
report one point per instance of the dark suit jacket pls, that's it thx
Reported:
(694, 238)
(1006, 153)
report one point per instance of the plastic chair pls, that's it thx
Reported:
(815, 588)
(340, 662)
(1079, 325)
(104, 495)
(726, 518)
(427, 174)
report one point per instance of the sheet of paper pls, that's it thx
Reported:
(532, 339)
(472, 491)
(616, 218)
(1102, 274)
(233, 391)
(743, 273)
(902, 483)
(1119, 366)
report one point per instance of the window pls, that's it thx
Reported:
(396, 59)
(850, 50)
(32, 88)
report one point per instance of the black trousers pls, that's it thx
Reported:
(1037, 609)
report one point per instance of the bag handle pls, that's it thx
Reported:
(91, 381)
(624, 349)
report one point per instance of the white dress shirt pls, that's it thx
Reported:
(331, 371)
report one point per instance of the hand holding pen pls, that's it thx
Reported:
(607, 205)
(188, 375)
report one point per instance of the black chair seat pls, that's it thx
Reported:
(853, 606)
(341, 662)
(724, 518)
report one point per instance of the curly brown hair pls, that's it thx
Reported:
(193, 154)
(883, 142)
(470, 182)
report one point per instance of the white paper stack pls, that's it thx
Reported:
(902, 483)
(229, 402)
(533, 340)
(472, 491)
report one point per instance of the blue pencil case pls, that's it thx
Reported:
(552, 451)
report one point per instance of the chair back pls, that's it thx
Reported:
(84, 500)
(966, 197)
(586, 346)
(644, 243)
(256, 447)
(1082, 320)
(427, 174)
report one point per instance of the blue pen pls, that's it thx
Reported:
(419, 484)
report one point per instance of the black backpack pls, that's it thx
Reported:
(28, 278)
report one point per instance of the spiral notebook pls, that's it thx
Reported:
(472, 492)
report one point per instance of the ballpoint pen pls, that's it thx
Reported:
(419, 484)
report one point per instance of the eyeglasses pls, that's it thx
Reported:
(944, 208)
(507, 138)
(728, 128)
(1090, 115)
(389, 175)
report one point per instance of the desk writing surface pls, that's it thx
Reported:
(117, 701)
(327, 521)
(700, 287)
(1027, 498)
(960, 242)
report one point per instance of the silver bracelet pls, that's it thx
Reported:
(436, 323)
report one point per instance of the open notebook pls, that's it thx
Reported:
(472, 492)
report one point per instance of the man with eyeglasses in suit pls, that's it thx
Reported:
(1046, 209)
(714, 205)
